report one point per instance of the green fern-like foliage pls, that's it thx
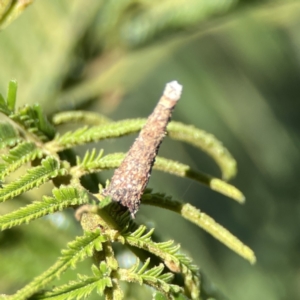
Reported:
(31, 143)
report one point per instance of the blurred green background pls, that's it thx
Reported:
(239, 63)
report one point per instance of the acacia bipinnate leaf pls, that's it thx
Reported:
(18, 156)
(77, 250)
(34, 177)
(199, 218)
(183, 170)
(33, 120)
(95, 133)
(43, 123)
(175, 130)
(206, 142)
(168, 252)
(152, 277)
(86, 117)
(95, 163)
(79, 289)
(63, 197)
(89, 159)
(107, 162)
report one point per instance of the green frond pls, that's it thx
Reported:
(34, 177)
(168, 252)
(154, 272)
(77, 250)
(31, 118)
(152, 277)
(183, 170)
(178, 131)
(86, 117)
(63, 197)
(79, 289)
(107, 162)
(109, 214)
(83, 247)
(121, 218)
(207, 143)
(138, 234)
(18, 156)
(116, 225)
(114, 160)
(34, 121)
(199, 218)
(86, 134)
(89, 159)
(104, 269)
(69, 193)
(43, 123)
(8, 135)
(191, 276)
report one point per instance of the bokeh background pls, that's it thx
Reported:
(239, 63)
